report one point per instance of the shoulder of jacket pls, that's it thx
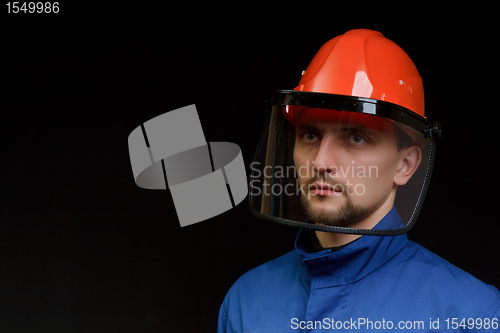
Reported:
(280, 265)
(434, 268)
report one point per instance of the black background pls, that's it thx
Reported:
(83, 249)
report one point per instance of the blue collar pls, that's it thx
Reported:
(354, 261)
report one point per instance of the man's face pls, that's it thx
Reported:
(346, 163)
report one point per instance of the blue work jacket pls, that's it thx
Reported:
(373, 284)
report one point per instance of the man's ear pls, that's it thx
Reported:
(409, 163)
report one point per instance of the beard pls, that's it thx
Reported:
(345, 215)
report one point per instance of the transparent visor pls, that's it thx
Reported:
(339, 171)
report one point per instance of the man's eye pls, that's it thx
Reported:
(357, 139)
(309, 137)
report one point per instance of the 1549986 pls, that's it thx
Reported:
(33, 7)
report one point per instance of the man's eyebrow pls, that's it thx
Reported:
(342, 129)
(357, 128)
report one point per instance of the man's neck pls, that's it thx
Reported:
(329, 239)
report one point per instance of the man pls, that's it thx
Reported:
(347, 157)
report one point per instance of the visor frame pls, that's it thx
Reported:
(356, 104)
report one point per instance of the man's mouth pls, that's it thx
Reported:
(321, 188)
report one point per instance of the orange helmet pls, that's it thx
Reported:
(363, 63)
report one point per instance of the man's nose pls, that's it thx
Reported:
(325, 161)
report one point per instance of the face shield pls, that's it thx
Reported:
(330, 163)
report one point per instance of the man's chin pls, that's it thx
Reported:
(324, 211)
(325, 206)
(337, 214)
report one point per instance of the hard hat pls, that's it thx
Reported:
(364, 63)
(359, 80)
